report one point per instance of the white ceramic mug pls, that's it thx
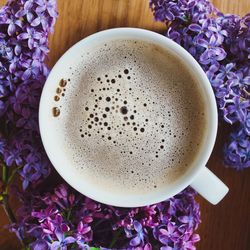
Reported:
(198, 176)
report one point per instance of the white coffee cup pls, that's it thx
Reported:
(198, 176)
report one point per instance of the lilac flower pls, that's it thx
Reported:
(17, 46)
(211, 73)
(169, 235)
(41, 49)
(218, 31)
(213, 52)
(14, 156)
(31, 35)
(238, 79)
(201, 29)
(14, 65)
(26, 10)
(247, 123)
(45, 214)
(83, 233)
(40, 245)
(29, 174)
(32, 68)
(168, 10)
(47, 5)
(86, 222)
(41, 19)
(237, 150)
(13, 23)
(5, 49)
(225, 71)
(236, 109)
(139, 236)
(62, 241)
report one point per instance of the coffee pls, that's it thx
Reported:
(129, 116)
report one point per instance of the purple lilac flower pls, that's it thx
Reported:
(40, 245)
(213, 52)
(84, 222)
(237, 151)
(138, 237)
(24, 29)
(62, 241)
(13, 23)
(221, 44)
(47, 5)
(236, 109)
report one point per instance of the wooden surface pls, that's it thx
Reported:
(223, 227)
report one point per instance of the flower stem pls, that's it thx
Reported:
(4, 174)
(8, 209)
(5, 195)
(115, 238)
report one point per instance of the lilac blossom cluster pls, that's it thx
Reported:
(24, 29)
(221, 45)
(65, 219)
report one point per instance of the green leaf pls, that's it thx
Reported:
(94, 248)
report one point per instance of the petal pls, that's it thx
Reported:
(41, 3)
(44, 24)
(88, 219)
(164, 239)
(166, 248)
(59, 235)
(202, 42)
(52, 12)
(20, 13)
(69, 240)
(9, 161)
(11, 29)
(213, 40)
(30, 17)
(147, 247)
(204, 58)
(12, 67)
(196, 237)
(137, 226)
(28, 5)
(36, 22)
(31, 43)
(247, 80)
(18, 23)
(135, 241)
(18, 49)
(183, 219)
(55, 245)
(221, 54)
(25, 184)
(194, 27)
(26, 75)
(163, 231)
(23, 36)
(64, 227)
(86, 230)
(80, 226)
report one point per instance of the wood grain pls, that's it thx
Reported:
(223, 227)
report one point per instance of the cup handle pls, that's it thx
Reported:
(209, 186)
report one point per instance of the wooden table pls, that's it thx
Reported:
(223, 227)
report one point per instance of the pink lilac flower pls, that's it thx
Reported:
(84, 222)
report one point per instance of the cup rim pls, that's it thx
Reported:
(138, 200)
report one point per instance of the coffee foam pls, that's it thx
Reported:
(131, 116)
